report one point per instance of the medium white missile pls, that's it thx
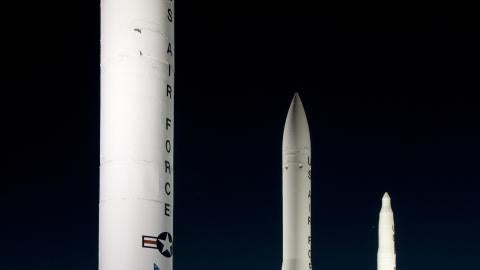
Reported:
(136, 141)
(296, 184)
(386, 236)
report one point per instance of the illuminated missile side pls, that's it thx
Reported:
(386, 236)
(136, 142)
(296, 189)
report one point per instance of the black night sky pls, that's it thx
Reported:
(392, 97)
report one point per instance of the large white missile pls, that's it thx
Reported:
(386, 236)
(296, 183)
(136, 144)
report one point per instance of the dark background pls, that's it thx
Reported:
(391, 93)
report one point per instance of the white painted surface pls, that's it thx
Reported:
(136, 148)
(386, 236)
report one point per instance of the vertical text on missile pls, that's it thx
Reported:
(168, 118)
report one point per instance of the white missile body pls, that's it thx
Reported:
(296, 189)
(136, 142)
(386, 236)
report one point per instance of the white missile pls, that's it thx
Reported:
(296, 184)
(386, 237)
(136, 141)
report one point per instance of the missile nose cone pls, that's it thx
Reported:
(296, 134)
(296, 98)
(386, 200)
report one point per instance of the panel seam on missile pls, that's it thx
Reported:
(129, 161)
(133, 199)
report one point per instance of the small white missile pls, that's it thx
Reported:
(136, 141)
(296, 186)
(386, 236)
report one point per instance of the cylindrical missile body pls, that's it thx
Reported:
(296, 189)
(136, 141)
(386, 236)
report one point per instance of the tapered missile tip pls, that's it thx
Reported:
(296, 99)
(296, 133)
(386, 200)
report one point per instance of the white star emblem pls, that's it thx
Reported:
(166, 244)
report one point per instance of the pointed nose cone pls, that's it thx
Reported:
(386, 202)
(296, 134)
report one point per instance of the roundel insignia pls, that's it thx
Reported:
(165, 243)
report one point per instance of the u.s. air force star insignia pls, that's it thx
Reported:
(163, 242)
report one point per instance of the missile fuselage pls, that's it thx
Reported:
(296, 189)
(136, 141)
(386, 258)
